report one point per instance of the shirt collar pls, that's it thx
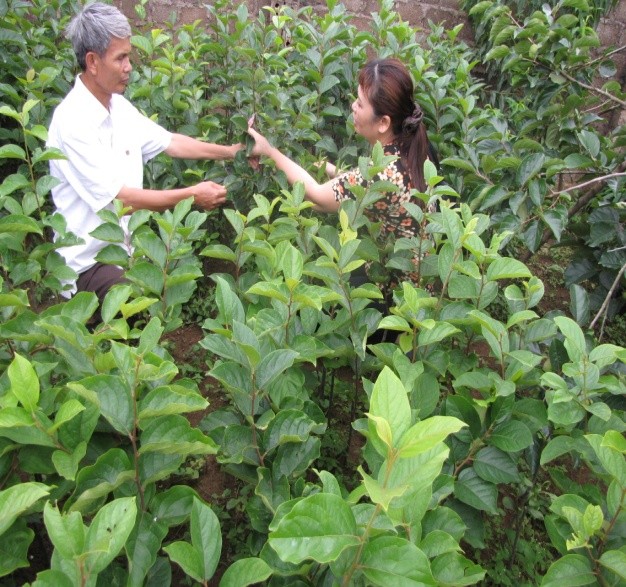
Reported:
(96, 111)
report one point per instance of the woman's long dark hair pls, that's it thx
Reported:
(389, 89)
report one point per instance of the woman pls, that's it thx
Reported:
(384, 112)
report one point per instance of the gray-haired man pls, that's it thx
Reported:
(107, 141)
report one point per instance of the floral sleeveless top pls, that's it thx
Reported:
(389, 210)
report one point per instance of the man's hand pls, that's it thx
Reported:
(209, 195)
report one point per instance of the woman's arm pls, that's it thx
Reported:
(321, 195)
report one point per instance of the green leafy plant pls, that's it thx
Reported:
(477, 405)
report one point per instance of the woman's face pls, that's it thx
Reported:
(366, 123)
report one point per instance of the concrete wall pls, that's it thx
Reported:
(612, 30)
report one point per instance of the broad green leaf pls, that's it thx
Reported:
(95, 482)
(14, 545)
(68, 410)
(606, 354)
(496, 466)
(111, 233)
(614, 440)
(24, 382)
(452, 226)
(45, 184)
(531, 165)
(112, 394)
(293, 459)
(438, 542)
(436, 334)
(574, 337)
(394, 323)
(12, 152)
(147, 276)
(66, 531)
(17, 499)
(383, 430)
(229, 305)
(511, 436)
(143, 546)
(577, 161)
(558, 446)
(187, 558)
(175, 435)
(319, 527)
(288, 426)
(173, 506)
(218, 251)
(150, 336)
(170, 399)
(224, 348)
(612, 460)
(417, 473)
(391, 560)
(269, 290)
(452, 568)
(290, 262)
(579, 303)
(327, 83)
(199, 559)
(615, 561)
(246, 571)
(498, 52)
(557, 219)
(590, 141)
(108, 533)
(272, 365)
(380, 494)
(593, 518)
(459, 163)
(507, 268)
(476, 492)
(66, 464)
(13, 182)
(572, 570)
(599, 409)
(53, 578)
(206, 536)
(427, 434)
(390, 401)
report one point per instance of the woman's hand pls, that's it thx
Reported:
(261, 144)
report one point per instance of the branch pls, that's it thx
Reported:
(580, 203)
(607, 300)
(593, 89)
(591, 181)
(602, 57)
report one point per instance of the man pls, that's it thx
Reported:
(107, 141)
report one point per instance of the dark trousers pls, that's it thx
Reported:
(99, 279)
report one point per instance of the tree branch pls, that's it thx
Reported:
(593, 89)
(607, 300)
(590, 182)
(578, 205)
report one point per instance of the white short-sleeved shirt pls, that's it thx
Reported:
(105, 150)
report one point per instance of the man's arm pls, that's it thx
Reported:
(184, 147)
(207, 195)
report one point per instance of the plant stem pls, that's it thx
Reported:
(607, 300)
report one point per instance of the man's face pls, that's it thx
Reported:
(113, 68)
